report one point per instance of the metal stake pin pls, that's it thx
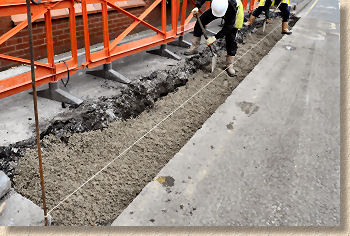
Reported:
(30, 32)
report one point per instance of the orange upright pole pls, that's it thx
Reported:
(164, 17)
(183, 16)
(73, 34)
(105, 31)
(49, 41)
(245, 3)
(174, 17)
(252, 5)
(86, 31)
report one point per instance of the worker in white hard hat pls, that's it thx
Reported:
(264, 5)
(233, 14)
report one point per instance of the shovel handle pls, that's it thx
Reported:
(277, 6)
(204, 33)
(202, 27)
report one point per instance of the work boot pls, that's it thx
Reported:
(250, 21)
(229, 65)
(285, 29)
(194, 46)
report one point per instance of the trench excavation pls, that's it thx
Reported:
(87, 137)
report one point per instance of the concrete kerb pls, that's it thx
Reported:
(300, 5)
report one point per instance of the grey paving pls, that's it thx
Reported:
(16, 210)
(5, 184)
(270, 154)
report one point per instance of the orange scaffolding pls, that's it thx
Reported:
(51, 72)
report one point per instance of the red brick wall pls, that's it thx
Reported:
(18, 44)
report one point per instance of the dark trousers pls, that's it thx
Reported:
(284, 8)
(230, 35)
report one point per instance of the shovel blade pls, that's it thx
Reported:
(213, 62)
(264, 26)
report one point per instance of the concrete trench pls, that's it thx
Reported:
(84, 139)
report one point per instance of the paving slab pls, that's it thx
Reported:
(5, 184)
(269, 156)
(16, 210)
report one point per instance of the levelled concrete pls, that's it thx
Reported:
(270, 154)
(16, 210)
(5, 184)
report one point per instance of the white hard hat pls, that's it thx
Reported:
(219, 7)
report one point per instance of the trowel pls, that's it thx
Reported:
(214, 58)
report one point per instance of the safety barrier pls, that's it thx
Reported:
(112, 51)
(185, 24)
(51, 72)
(45, 72)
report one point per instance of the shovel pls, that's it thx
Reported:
(274, 11)
(214, 58)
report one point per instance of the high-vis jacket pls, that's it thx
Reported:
(239, 15)
(262, 2)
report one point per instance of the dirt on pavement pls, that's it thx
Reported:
(71, 157)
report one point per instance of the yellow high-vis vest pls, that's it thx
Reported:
(239, 15)
(262, 2)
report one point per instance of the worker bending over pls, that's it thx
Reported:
(233, 14)
(264, 5)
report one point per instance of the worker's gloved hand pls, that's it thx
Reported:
(211, 40)
(195, 11)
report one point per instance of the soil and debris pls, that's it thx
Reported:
(86, 138)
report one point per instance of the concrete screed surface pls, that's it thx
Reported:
(270, 154)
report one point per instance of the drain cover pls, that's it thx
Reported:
(289, 47)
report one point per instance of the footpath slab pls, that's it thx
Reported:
(5, 184)
(16, 210)
(270, 154)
